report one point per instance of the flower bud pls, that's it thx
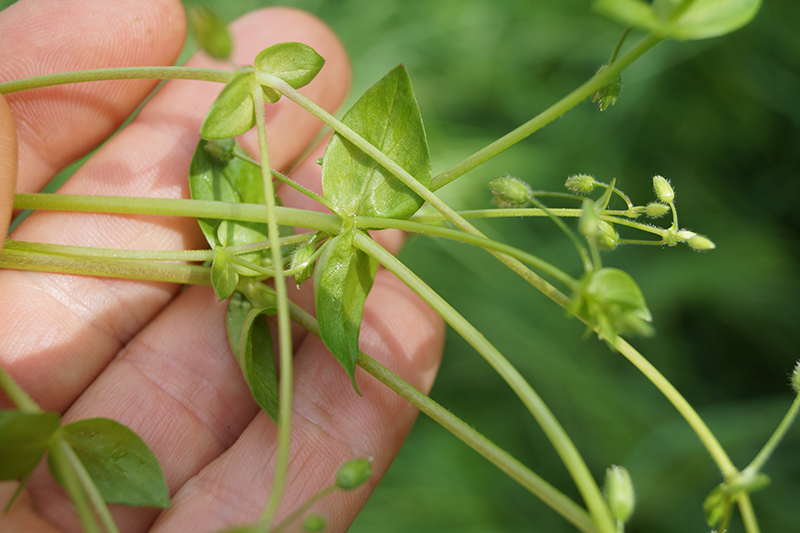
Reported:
(619, 493)
(510, 192)
(302, 258)
(222, 149)
(606, 237)
(656, 209)
(581, 183)
(702, 244)
(211, 32)
(589, 221)
(796, 378)
(664, 191)
(314, 523)
(354, 473)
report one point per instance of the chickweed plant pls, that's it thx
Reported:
(376, 175)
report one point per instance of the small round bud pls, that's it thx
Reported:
(685, 234)
(510, 192)
(354, 473)
(314, 523)
(619, 493)
(702, 244)
(302, 258)
(211, 32)
(222, 149)
(581, 184)
(606, 237)
(656, 209)
(664, 191)
(589, 221)
(796, 378)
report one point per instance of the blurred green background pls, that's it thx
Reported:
(721, 119)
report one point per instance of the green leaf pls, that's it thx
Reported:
(224, 277)
(233, 113)
(387, 116)
(342, 281)
(210, 32)
(701, 20)
(122, 466)
(228, 180)
(295, 63)
(251, 344)
(717, 505)
(24, 437)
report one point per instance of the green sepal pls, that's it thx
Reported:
(343, 278)
(224, 277)
(703, 19)
(233, 113)
(251, 344)
(295, 63)
(211, 32)
(716, 506)
(121, 465)
(24, 437)
(228, 180)
(388, 117)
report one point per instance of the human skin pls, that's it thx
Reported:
(150, 355)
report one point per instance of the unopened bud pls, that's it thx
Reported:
(656, 209)
(581, 184)
(796, 378)
(685, 234)
(664, 190)
(222, 149)
(211, 32)
(510, 192)
(354, 473)
(314, 523)
(619, 493)
(702, 244)
(589, 221)
(301, 258)
(606, 237)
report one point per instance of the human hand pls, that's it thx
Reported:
(147, 354)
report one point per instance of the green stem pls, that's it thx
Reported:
(708, 439)
(561, 503)
(284, 320)
(300, 511)
(16, 394)
(59, 453)
(124, 73)
(109, 253)
(558, 437)
(546, 117)
(90, 488)
(755, 466)
(748, 514)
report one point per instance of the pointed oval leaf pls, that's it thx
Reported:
(23, 440)
(343, 278)
(708, 18)
(295, 63)
(233, 113)
(251, 344)
(223, 275)
(387, 116)
(122, 466)
(227, 180)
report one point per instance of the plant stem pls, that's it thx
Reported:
(16, 394)
(284, 320)
(286, 216)
(748, 514)
(110, 253)
(90, 488)
(124, 73)
(58, 451)
(558, 437)
(708, 439)
(561, 503)
(547, 116)
(755, 466)
(300, 511)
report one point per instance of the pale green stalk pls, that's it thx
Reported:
(16, 394)
(284, 320)
(89, 487)
(58, 451)
(300, 511)
(758, 462)
(558, 437)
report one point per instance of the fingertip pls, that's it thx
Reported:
(8, 168)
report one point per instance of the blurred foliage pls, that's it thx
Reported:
(721, 120)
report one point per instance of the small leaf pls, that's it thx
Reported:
(211, 32)
(634, 13)
(24, 437)
(342, 281)
(716, 505)
(233, 113)
(224, 277)
(295, 63)
(122, 466)
(228, 180)
(251, 344)
(388, 117)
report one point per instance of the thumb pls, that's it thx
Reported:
(8, 168)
